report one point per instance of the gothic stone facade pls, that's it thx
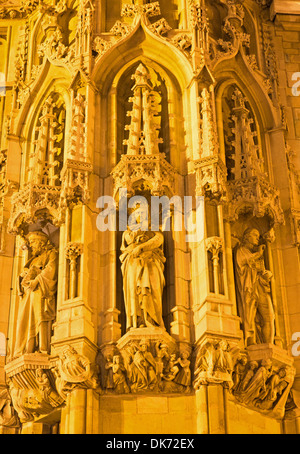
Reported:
(145, 331)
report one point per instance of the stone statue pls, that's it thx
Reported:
(143, 277)
(253, 290)
(249, 374)
(37, 288)
(257, 384)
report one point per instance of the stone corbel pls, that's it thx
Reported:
(215, 246)
(262, 379)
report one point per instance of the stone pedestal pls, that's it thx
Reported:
(277, 355)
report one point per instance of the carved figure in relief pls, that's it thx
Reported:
(239, 372)
(73, 370)
(143, 277)
(223, 362)
(142, 370)
(253, 290)
(184, 377)
(8, 415)
(205, 359)
(37, 288)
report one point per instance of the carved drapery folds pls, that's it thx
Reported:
(8, 415)
(41, 190)
(147, 363)
(38, 384)
(163, 277)
(214, 364)
(254, 290)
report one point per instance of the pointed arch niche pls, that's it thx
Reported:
(254, 198)
(169, 150)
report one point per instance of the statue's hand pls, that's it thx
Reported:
(32, 285)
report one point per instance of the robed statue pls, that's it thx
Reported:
(253, 290)
(143, 277)
(37, 286)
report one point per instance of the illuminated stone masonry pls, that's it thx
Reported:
(124, 321)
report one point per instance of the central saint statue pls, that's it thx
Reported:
(143, 277)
